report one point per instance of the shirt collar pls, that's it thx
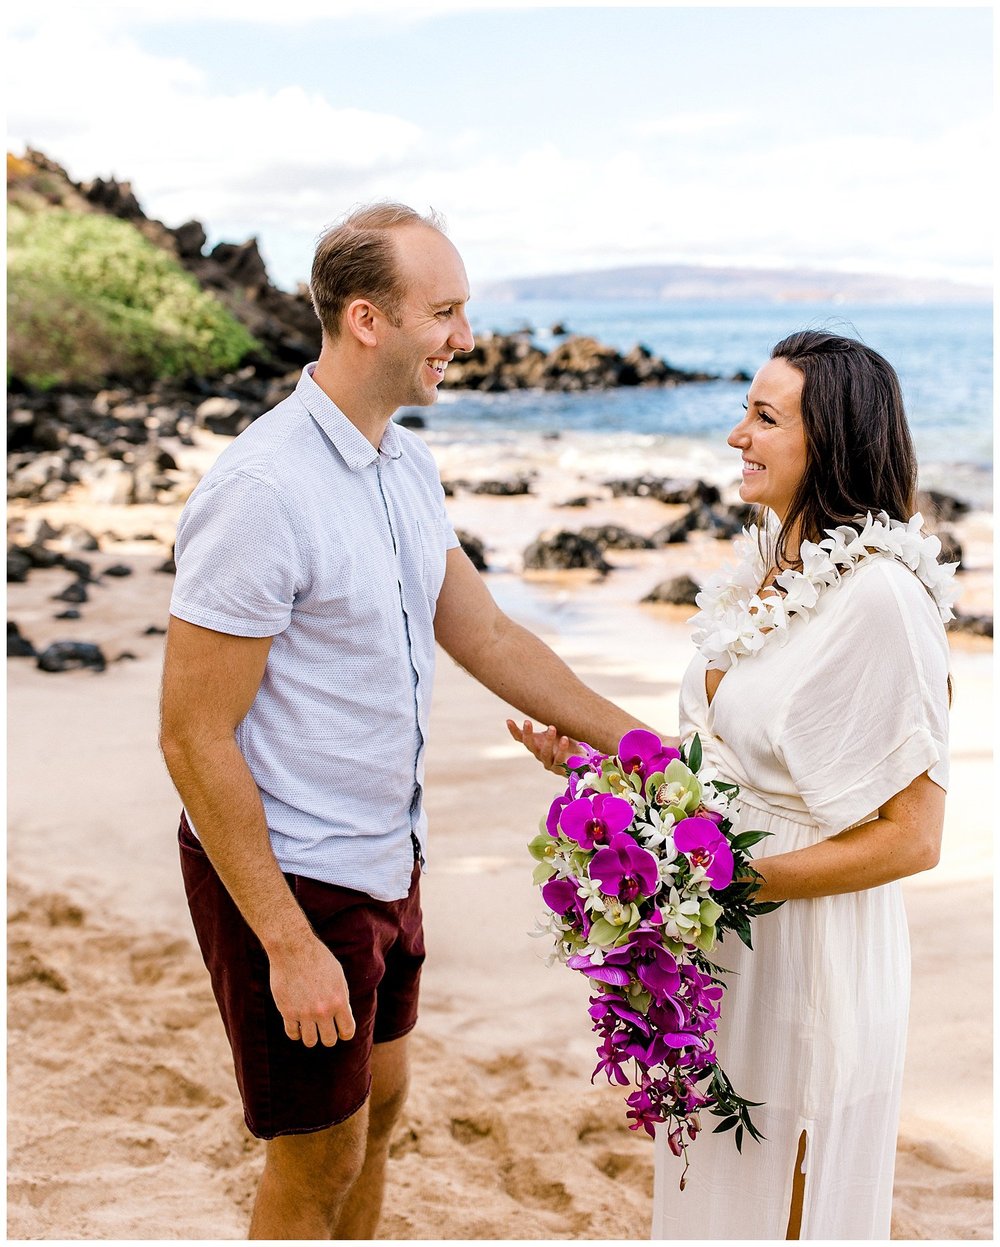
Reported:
(350, 443)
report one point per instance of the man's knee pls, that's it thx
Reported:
(321, 1168)
(390, 1083)
(386, 1111)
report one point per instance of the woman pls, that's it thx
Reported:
(821, 688)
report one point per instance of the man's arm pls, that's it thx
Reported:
(513, 663)
(210, 680)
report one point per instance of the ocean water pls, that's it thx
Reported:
(943, 355)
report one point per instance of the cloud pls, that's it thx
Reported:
(281, 164)
(118, 14)
(188, 149)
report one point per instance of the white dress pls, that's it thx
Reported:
(818, 732)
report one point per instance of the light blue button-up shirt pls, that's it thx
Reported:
(304, 532)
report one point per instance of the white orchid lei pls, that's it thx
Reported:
(736, 619)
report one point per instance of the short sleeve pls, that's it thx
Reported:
(870, 712)
(240, 561)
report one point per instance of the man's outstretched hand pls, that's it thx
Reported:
(546, 745)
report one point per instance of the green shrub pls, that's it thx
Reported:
(88, 297)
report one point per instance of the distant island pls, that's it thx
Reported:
(683, 282)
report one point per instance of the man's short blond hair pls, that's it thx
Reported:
(356, 259)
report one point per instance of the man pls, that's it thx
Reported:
(315, 569)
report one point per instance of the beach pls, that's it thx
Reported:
(124, 1120)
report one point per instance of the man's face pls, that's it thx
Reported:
(432, 321)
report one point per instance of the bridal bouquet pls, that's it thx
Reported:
(642, 876)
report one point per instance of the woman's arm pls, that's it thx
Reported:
(903, 840)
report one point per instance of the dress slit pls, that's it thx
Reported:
(798, 1193)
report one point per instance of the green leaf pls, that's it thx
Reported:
(726, 1125)
(695, 754)
(747, 839)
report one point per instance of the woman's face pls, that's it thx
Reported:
(771, 437)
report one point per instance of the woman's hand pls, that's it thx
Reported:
(547, 746)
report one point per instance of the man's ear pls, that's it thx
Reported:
(360, 320)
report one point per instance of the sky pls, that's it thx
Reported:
(553, 139)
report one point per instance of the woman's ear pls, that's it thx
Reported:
(360, 321)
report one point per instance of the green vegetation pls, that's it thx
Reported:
(89, 298)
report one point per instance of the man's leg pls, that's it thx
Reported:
(307, 1179)
(390, 1079)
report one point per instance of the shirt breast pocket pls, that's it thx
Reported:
(433, 554)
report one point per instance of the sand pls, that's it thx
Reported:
(124, 1121)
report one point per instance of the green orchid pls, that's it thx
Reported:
(615, 925)
(543, 848)
(675, 789)
(709, 914)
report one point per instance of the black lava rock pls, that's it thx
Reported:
(974, 625)
(80, 568)
(18, 646)
(563, 551)
(118, 569)
(665, 490)
(940, 507)
(18, 566)
(76, 591)
(71, 613)
(41, 556)
(680, 591)
(474, 548)
(614, 537)
(951, 548)
(502, 489)
(69, 655)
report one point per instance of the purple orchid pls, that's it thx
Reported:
(588, 756)
(590, 823)
(704, 845)
(603, 972)
(643, 753)
(555, 810)
(623, 869)
(610, 1061)
(563, 898)
(609, 1010)
(643, 1112)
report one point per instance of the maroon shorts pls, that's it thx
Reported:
(286, 1087)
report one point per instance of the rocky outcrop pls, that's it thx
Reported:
(680, 591)
(938, 507)
(665, 489)
(513, 361)
(283, 323)
(474, 548)
(69, 655)
(615, 537)
(722, 521)
(564, 551)
(972, 625)
(18, 646)
(110, 439)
